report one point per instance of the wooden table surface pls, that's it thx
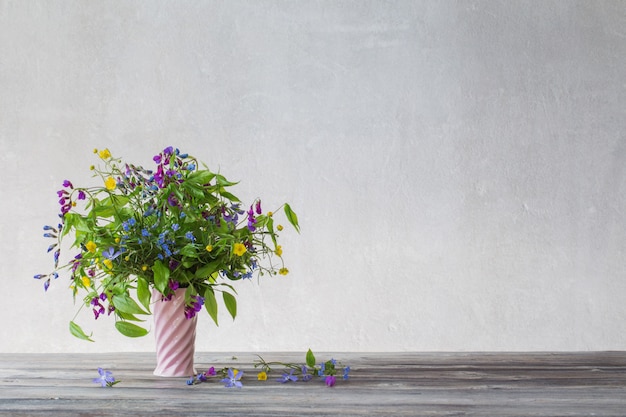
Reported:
(381, 384)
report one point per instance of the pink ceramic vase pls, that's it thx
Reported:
(175, 336)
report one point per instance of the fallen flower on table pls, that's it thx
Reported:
(293, 372)
(233, 380)
(105, 379)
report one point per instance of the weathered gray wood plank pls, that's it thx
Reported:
(383, 384)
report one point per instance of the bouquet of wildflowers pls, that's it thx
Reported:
(165, 228)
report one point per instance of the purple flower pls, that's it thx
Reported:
(110, 253)
(211, 371)
(81, 195)
(174, 285)
(287, 377)
(67, 184)
(46, 284)
(258, 207)
(168, 151)
(232, 380)
(251, 220)
(331, 380)
(195, 307)
(306, 376)
(105, 379)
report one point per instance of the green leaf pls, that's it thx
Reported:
(200, 177)
(292, 217)
(143, 293)
(195, 190)
(130, 329)
(207, 269)
(221, 180)
(161, 275)
(127, 316)
(310, 359)
(231, 303)
(189, 250)
(76, 330)
(210, 304)
(229, 196)
(110, 206)
(126, 304)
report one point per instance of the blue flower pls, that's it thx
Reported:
(287, 377)
(111, 254)
(306, 376)
(346, 372)
(105, 379)
(190, 236)
(322, 369)
(175, 227)
(232, 380)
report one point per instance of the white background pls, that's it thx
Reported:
(458, 168)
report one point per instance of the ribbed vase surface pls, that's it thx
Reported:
(175, 336)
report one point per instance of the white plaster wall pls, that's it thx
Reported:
(457, 167)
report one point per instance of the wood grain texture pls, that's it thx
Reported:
(381, 384)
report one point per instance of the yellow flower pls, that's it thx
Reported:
(283, 271)
(95, 150)
(239, 249)
(109, 183)
(270, 214)
(235, 372)
(279, 227)
(209, 248)
(117, 240)
(127, 258)
(261, 376)
(86, 281)
(144, 267)
(108, 263)
(104, 154)
(73, 203)
(91, 247)
(279, 250)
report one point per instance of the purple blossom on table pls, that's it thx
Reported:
(331, 380)
(233, 380)
(306, 376)
(105, 379)
(287, 376)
